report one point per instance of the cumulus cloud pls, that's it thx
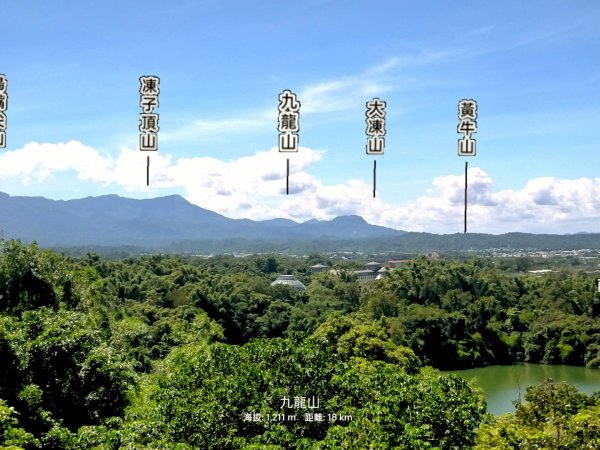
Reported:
(254, 187)
(38, 162)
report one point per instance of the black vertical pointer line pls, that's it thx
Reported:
(374, 176)
(148, 170)
(466, 165)
(287, 178)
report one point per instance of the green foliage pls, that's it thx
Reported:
(553, 416)
(24, 273)
(326, 293)
(158, 352)
(147, 333)
(199, 396)
(11, 436)
(58, 369)
(355, 336)
(464, 314)
(66, 370)
(201, 392)
(410, 412)
(247, 307)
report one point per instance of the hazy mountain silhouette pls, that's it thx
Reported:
(111, 220)
(173, 224)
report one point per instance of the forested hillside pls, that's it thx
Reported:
(162, 352)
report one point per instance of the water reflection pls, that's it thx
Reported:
(503, 385)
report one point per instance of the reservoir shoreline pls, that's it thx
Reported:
(502, 385)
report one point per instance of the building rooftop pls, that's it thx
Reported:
(373, 263)
(290, 280)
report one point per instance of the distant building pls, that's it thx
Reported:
(318, 268)
(365, 275)
(289, 280)
(396, 263)
(372, 272)
(374, 266)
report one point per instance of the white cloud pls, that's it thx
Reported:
(254, 187)
(544, 205)
(333, 95)
(347, 92)
(238, 125)
(38, 162)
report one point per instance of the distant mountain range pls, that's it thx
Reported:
(173, 224)
(111, 220)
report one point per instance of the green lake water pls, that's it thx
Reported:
(501, 383)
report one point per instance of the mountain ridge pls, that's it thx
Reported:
(171, 223)
(114, 220)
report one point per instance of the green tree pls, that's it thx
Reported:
(199, 397)
(553, 416)
(23, 284)
(11, 436)
(357, 336)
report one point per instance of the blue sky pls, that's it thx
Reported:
(533, 67)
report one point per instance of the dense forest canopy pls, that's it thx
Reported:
(161, 351)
